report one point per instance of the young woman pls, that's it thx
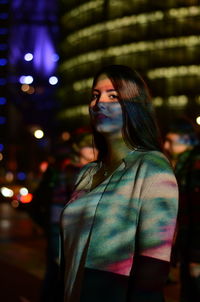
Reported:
(118, 226)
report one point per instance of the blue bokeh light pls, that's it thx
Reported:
(2, 100)
(1, 147)
(55, 57)
(3, 61)
(21, 175)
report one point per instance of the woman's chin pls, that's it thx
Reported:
(108, 130)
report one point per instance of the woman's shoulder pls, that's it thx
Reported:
(156, 157)
(153, 160)
(154, 171)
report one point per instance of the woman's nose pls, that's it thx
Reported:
(102, 97)
(99, 105)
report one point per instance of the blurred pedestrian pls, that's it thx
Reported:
(182, 146)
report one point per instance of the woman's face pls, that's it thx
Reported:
(105, 109)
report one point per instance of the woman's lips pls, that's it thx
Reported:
(100, 116)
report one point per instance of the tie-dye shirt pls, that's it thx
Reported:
(135, 208)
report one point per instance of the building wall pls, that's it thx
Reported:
(160, 39)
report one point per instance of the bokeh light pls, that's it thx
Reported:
(31, 90)
(2, 101)
(26, 79)
(55, 57)
(23, 191)
(1, 147)
(21, 175)
(25, 87)
(3, 61)
(9, 176)
(53, 80)
(28, 56)
(43, 166)
(6, 192)
(14, 203)
(198, 120)
(26, 198)
(38, 133)
(65, 136)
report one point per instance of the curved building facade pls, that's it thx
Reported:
(160, 39)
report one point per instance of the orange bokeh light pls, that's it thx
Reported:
(43, 166)
(26, 198)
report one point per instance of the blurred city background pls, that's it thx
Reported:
(49, 52)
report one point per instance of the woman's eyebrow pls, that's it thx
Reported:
(109, 90)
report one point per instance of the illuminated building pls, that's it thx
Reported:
(31, 79)
(160, 39)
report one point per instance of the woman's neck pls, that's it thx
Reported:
(117, 150)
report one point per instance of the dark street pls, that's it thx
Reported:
(22, 256)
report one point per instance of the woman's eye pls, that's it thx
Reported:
(113, 96)
(95, 96)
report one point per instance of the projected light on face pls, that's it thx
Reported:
(105, 109)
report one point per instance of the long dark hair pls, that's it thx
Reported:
(140, 127)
